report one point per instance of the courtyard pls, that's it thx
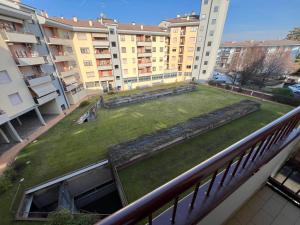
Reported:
(68, 146)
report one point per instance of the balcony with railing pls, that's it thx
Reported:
(105, 73)
(144, 51)
(143, 40)
(15, 33)
(102, 53)
(64, 56)
(30, 58)
(100, 42)
(67, 70)
(104, 64)
(214, 190)
(54, 37)
(144, 62)
(37, 79)
(145, 71)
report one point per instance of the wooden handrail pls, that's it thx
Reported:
(256, 144)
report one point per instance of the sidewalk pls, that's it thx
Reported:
(9, 155)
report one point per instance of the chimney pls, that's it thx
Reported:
(178, 15)
(75, 19)
(188, 18)
(115, 21)
(90, 23)
(62, 17)
(46, 15)
(101, 20)
(133, 23)
(142, 27)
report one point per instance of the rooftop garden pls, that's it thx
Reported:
(68, 146)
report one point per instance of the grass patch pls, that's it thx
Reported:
(68, 146)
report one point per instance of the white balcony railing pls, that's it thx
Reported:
(18, 37)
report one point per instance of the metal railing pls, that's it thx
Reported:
(220, 175)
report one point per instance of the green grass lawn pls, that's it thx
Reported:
(69, 146)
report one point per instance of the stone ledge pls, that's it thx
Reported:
(150, 95)
(126, 153)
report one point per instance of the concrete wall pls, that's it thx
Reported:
(229, 206)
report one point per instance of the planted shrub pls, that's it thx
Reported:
(286, 100)
(283, 91)
(5, 184)
(65, 217)
(84, 103)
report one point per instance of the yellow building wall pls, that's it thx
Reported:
(78, 43)
(174, 45)
(129, 59)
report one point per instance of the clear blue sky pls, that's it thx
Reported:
(247, 19)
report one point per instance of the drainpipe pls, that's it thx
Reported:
(52, 60)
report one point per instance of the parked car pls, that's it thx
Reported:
(295, 88)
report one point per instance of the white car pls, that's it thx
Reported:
(295, 88)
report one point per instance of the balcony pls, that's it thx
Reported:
(103, 56)
(64, 57)
(30, 61)
(59, 41)
(3, 117)
(35, 81)
(144, 54)
(99, 43)
(71, 87)
(18, 37)
(214, 190)
(104, 67)
(144, 64)
(144, 43)
(68, 72)
(145, 73)
(46, 98)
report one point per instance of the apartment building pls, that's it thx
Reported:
(30, 89)
(229, 51)
(212, 20)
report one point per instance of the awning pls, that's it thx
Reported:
(43, 89)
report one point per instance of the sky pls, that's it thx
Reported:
(246, 19)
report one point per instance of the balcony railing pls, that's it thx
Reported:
(35, 80)
(18, 37)
(64, 57)
(59, 41)
(31, 59)
(220, 175)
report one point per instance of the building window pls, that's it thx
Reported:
(190, 58)
(134, 70)
(133, 60)
(189, 67)
(85, 50)
(133, 49)
(153, 59)
(90, 74)
(195, 67)
(115, 56)
(211, 33)
(113, 44)
(15, 99)
(161, 39)
(174, 50)
(213, 21)
(154, 49)
(197, 58)
(198, 49)
(161, 49)
(203, 16)
(81, 36)
(190, 49)
(125, 71)
(216, 8)
(160, 68)
(206, 53)
(161, 59)
(116, 67)
(87, 62)
(123, 49)
(132, 37)
(173, 58)
(154, 39)
(175, 30)
(174, 39)
(111, 31)
(118, 77)
(153, 68)
(4, 77)
(205, 63)
(204, 71)
(209, 43)
(124, 61)
(122, 37)
(205, 2)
